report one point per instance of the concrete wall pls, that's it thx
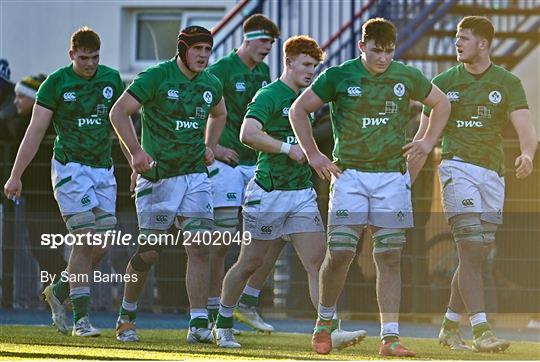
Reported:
(529, 73)
(35, 35)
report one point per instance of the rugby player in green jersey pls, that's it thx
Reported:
(483, 97)
(369, 99)
(242, 73)
(280, 200)
(177, 97)
(77, 99)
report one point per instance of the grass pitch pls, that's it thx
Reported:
(26, 342)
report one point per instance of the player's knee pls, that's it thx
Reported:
(489, 231)
(342, 239)
(226, 220)
(250, 265)
(388, 259)
(387, 244)
(468, 230)
(143, 265)
(147, 253)
(82, 221)
(105, 222)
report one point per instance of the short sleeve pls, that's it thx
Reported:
(516, 94)
(324, 87)
(47, 94)
(421, 85)
(143, 88)
(260, 107)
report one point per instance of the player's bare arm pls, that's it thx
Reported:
(252, 135)
(522, 122)
(126, 105)
(429, 131)
(307, 103)
(41, 118)
(214, 128)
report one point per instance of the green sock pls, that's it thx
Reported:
(224, 322)
(390, 338)
(198, 323)
(335, 324)
(131, 314)
(81, 306)
(249, 300)
(61, 290)
(447, 324)
(213, 314)
(479, 329)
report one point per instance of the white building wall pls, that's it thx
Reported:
(35, 35)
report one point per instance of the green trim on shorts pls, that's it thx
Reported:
(213, 173)
(62, 182)
(447, 183)
(144, 192)
(253, 202)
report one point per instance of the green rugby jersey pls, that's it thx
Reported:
(239, 86)
(480, 109)
(369, 113)
(276, 171)
(81, 114)
(174, 114)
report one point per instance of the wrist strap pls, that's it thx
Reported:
(285, 148)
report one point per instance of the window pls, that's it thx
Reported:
(156, 32)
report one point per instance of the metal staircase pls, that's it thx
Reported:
(426, 28)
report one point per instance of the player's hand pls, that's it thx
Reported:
(417, 149)
(323, 166)
(141, 161)
(133, 181)
(524, 166)
(13, 188)
(296, 154)
(208, 156)
(226, 155)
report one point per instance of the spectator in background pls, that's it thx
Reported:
(25, 97)
(7, 108)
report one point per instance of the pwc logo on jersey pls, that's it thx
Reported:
(90, 121)
(173, 94)
(354, 91)
(108, 92)
(469, 124)
(240, 86)
(453, 96)
(374, 121)
(495, 97)
(291, 140)
(70, 97)
(399, 89)
(186, 125)
(208, 97)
